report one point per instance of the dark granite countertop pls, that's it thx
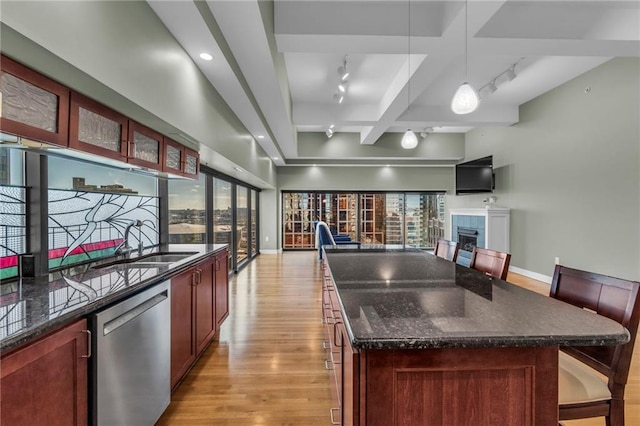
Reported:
(395, 299)
(30, 307)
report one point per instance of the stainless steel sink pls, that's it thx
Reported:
(152, 260)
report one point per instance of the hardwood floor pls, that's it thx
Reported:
(267, 369)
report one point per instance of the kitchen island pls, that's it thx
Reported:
(413, 339)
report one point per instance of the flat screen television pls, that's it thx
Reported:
(475, 177)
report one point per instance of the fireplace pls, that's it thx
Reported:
(485, 228)
(467, 238)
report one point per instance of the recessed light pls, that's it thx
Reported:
(206, 56)
(275, 158)
(260, 137)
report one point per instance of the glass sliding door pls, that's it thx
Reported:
(254, 222)
(424, 219)
(391, 218)
(299, 211)
(242, 224)
(372, 215)
(394, 220)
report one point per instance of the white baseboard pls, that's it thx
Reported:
(273, 251)
(536, 276)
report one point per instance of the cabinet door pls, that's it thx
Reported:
(145, 146)
(182, 317)
(205, 305)
(32, 105)
(191, 163)
(173, 157)
(96, 129)
(45, 383)
(222, 287)
(350, 379)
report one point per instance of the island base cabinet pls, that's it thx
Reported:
(461, 386)
(45, 383)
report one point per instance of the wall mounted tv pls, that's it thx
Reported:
(475, 177)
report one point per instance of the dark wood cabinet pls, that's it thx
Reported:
(33, 106)
(205, 308)
(183, 348)
(145, 146)
(191, 163)
(438, 386)
(222, 286)
(96, 129)
(180, 160)
(173, 157)
(198, 307)
(45, 383)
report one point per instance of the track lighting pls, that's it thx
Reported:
(426, 132)
(329, 133)
(343, 71)
(487, 89)
(338, 97)
(510, 74)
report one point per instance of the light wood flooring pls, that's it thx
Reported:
(267, 368)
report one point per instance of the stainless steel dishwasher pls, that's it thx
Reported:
(130, 374)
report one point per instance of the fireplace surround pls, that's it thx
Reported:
(485, 228)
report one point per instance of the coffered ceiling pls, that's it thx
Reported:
(275, 63)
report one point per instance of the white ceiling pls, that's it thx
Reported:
(275, 63)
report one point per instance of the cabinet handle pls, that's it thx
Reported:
(88, 355)
(326, 365)
(194, 280)
(325, 345)
(333, 422)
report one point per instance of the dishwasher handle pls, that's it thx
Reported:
(133, 313)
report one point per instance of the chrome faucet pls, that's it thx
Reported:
(124, 247)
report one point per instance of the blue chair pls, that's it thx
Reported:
(324, 237)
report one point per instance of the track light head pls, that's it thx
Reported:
(329, 133)
(343, 73)
(338, 97)
(510, 74)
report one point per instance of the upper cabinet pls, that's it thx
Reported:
(191, 163)
(35, 107)
(173, 157)
(145, 146)
(180, 160)
(97, 129)
(32, 106)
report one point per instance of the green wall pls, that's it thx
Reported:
(570, 172)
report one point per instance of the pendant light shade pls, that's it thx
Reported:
(409, 140)
(465, 100)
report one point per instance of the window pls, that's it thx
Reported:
(187, 210)
(242, 227)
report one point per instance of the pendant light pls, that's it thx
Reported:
(409, 139)
(465, 100)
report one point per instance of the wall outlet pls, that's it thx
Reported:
(557, 260)
(266, 239)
